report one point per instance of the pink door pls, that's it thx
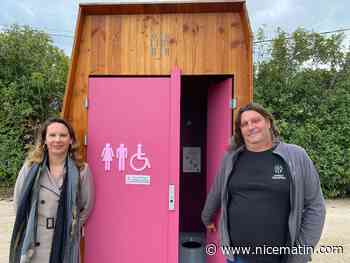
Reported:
(218, 136)
(133, 151)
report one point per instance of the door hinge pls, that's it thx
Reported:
(86, 103)
(85, 140)
(233, 103)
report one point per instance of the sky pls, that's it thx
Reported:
(58, 17)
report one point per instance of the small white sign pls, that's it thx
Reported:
(191, 162)
(137, 179)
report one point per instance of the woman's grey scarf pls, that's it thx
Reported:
(65, 243)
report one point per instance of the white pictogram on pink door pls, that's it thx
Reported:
(121, 155)
(107, 156)
(139, 156)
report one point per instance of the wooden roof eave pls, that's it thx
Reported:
(162, 7)
(73, 65)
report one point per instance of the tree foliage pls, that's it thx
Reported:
(32, 79)
(305, 82)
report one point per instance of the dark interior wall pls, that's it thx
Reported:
(193, 191)
(193, 133)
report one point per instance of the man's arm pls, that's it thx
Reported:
(313, 216)
(213, 201)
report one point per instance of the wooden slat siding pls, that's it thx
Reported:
(84, 79)
(77, 114)
(139, 39)
(98, 44)
(113, 44)
(210, 59)
(117, 45)
(200, 30)
(189, 45)
(125, 54)
(196, 52)
(166, 25)
(152, 28)
(129, 46)
(228, 36)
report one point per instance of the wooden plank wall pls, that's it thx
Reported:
(151, 44)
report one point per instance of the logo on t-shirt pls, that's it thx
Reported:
(278, 172)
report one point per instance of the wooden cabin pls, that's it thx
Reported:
(133, 39)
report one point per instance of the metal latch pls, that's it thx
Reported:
(171, 197)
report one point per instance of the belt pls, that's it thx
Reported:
(48, 222)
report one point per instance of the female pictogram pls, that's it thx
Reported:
(107, 156)
(139, 156)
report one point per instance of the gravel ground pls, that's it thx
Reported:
(336, 234)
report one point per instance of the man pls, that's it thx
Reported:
(269, 194)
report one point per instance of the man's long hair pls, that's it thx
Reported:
(238, 138)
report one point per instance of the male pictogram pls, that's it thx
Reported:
(121, 155)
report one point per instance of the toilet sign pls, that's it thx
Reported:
(138, 161)
(137, 179)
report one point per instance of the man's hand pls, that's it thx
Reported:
(211, 228)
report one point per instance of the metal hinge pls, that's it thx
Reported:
(233, 103)
(85, 140)
(86, 103)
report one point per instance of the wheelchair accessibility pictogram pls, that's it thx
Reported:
(138, 157)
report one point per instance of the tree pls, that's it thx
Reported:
(306, 84)
(32, 79)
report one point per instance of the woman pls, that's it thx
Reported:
(53, 196)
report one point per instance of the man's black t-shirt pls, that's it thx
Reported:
(259, 204)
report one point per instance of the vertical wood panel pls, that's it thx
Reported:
(210, 40)
(165, 29)
(78, 114)
(98, 44)
(173, 25)
(153, 38)
(113, 43)
(129, 45)
(139, 37)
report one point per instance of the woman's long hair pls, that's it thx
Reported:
(238, 138)
(36, 154)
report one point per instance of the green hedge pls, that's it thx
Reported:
(305, 82)
(32, 80)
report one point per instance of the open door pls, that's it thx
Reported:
(133, 152)
(219, 132)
